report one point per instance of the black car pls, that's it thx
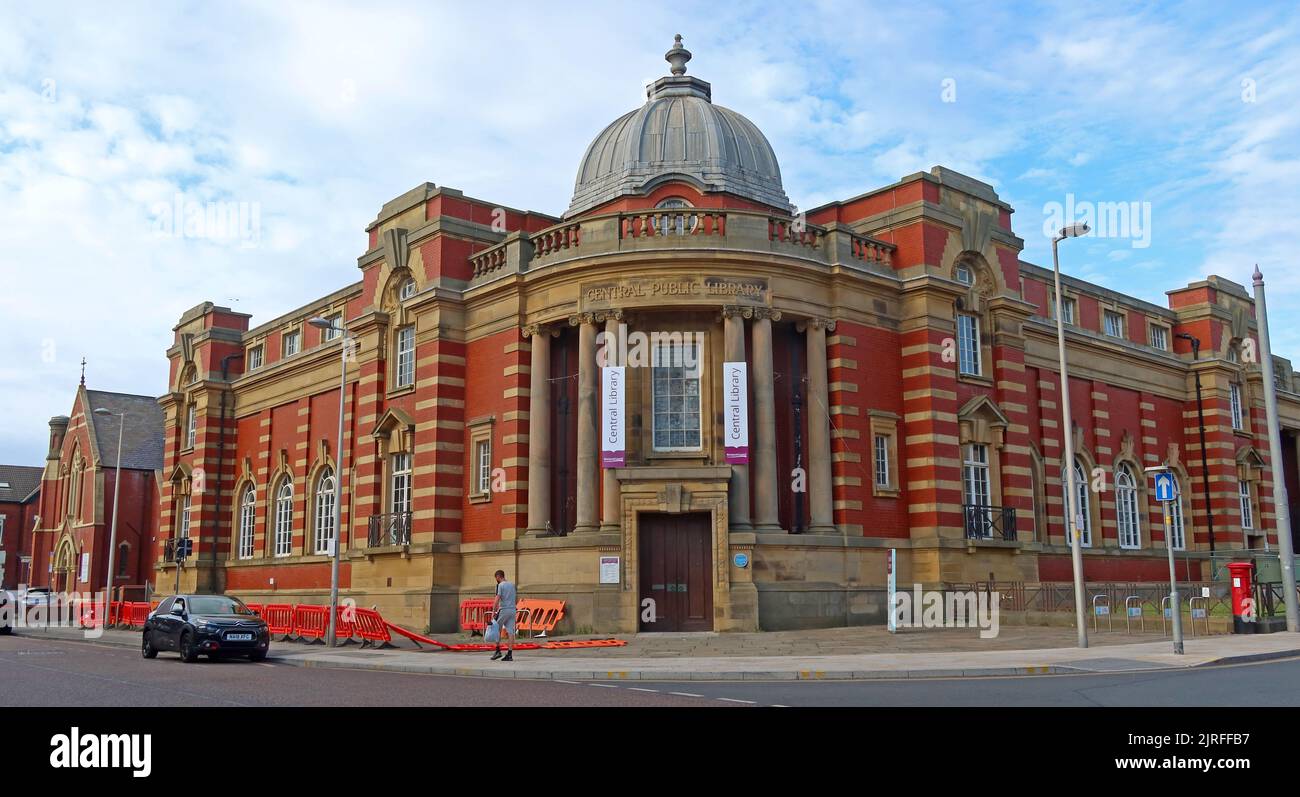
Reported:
(213, 624)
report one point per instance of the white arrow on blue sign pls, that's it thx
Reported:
(1166, 487)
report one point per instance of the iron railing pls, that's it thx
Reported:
(985, 522)
(393, 528)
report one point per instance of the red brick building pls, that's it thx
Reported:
(69, 540)
(902, 392)
(20, 489)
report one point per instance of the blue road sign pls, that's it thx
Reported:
(1166, 487)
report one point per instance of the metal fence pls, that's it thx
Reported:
(1019, 596)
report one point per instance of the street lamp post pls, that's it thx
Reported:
(117, 486)
(1200, 417)
(1281, 512)
(325, 324)
(1074, 525)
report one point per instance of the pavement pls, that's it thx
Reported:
(829, 654)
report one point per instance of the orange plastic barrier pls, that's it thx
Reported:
(539, 615)
(309, 622)
(371, 627)
(254, 607)
(474, 614)
(279, 618)
(585, 643)
(114, 612)
(343, 623)
(136, 614)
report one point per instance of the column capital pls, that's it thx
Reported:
(532, 330)
(608, 315)
(827, 324)
(578, 319)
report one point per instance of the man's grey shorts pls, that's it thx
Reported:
(506, 620)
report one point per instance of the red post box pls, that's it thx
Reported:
(1243, 597)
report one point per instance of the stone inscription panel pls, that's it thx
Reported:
(694, 289)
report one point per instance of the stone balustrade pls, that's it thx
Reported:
(681, 228)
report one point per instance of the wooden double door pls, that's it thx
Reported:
(676, 558)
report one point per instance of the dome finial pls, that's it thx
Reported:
(678, 56)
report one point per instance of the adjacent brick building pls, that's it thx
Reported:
(20, 489)
(69, 539)
(902, 393)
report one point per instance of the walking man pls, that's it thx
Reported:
(504, 606)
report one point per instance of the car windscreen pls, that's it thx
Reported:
(216, 605)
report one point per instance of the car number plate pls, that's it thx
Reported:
(239, 637)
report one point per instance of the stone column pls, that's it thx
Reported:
(821, 504)
(611, 503)
(765, 482)
(738, 489)
(588, 424)
(539, 429)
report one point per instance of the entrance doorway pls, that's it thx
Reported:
(676, 559)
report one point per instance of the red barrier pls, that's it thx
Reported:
(254, 607)
(474, 614)
(136, 614)
(279, 618)
(309, 622)
(371, 628)
(343, 623)
(114, 612)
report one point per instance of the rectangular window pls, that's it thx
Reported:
(975, 475)
(291, 346)
(254, 358)
(1067, 308)
(406, 356)
(483, 466)
(1159, 338)
(1234, 396)
(882, 460)
(183, 528)
(675, 375)
(968, 344)
(1247, 512)
(191, 427)
(335, 328)
(2, 529)
(401, 483)
(1176, 538)
(1114, 324)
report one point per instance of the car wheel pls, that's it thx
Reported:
(188, 652)
(147, 649)
(258, 656)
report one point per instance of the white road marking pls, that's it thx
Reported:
(575, 683)
(734, 700)
(641, 689)
(685, 694)
(606, 686)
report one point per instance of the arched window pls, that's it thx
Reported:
(1126, 508)
(1083, 507)
(1176, 538)
(284, 518)
(325, 497)
(407, 290)
(247, 519)
(123, 560)
(674, 224)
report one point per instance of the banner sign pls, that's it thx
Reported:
(891, 588)
(735, 412)
(613, 425)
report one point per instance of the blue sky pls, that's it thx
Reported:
(311, 116)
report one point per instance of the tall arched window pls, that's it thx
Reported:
(284, 518)
(247, 519)
(1083, 508)
(1126, 508)
(325, 496)
(123, 560)
(1176, 538)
